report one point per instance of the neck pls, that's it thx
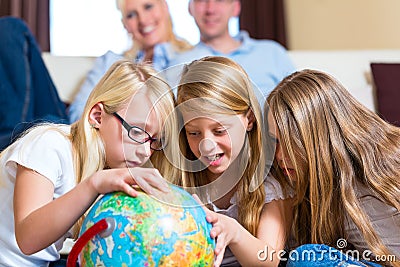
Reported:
(223, 188)
(225, 201)
(148, 54)
(223, 44)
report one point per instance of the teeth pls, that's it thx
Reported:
(213, 158)
(147, 29)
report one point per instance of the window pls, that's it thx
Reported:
(92, 27)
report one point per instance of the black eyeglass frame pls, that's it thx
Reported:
(129, 127)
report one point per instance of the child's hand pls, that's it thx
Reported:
(223, 231)
(125, 179)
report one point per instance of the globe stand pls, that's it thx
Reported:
(103, 228)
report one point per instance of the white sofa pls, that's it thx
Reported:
(351, 67)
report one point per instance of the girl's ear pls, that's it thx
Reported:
(250, 120)
(95, 115)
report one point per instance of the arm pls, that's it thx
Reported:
(260, 250)
(40, 220)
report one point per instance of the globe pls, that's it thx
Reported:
(148, 232)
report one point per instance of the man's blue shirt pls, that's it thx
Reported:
(265, 61)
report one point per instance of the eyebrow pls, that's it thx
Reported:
(219, 122)
(215, 124)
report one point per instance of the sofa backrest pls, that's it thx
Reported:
(68, 73)
(350, 67)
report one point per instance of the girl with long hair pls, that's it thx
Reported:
(52, 175)
(222, 143)
(343, 162)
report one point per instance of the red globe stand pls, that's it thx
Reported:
(103, 228)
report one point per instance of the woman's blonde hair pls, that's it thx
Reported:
(226, 89)
(179, 44)
(334, 143)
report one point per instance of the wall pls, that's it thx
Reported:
(342, 24)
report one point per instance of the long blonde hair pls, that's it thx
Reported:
(334, 143)
(179, 44)
(231, 93)
(114, 91)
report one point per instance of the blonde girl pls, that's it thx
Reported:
(343, 161)
(54, 173)
(222, 142)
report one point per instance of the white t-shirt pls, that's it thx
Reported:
(273, 191)
(50, 154)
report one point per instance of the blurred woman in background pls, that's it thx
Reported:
(153, 40)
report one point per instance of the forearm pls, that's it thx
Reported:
(252, 251)
(267, 247)
(47, 224)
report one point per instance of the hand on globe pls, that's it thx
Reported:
(223, 230)
(127, 179)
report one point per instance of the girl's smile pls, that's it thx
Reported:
(214, 160)
(288, 172)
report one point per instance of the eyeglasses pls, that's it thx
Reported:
(139, 135)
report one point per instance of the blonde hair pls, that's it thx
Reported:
(179, 44)
(334, 143)
(230, 89)
(114, 91)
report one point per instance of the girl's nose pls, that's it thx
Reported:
(207, 146)
(143, 150)
(278, 153)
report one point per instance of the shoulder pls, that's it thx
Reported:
(198, 51)
(46, 149)
(47, 133)
(111, 55)
(264, 45)
(108, 59)
(274, 191)
(269, 46)
(100, 66)
(45, 143)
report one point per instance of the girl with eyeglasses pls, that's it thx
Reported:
(52, 175)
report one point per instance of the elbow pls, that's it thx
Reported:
(25, 245)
